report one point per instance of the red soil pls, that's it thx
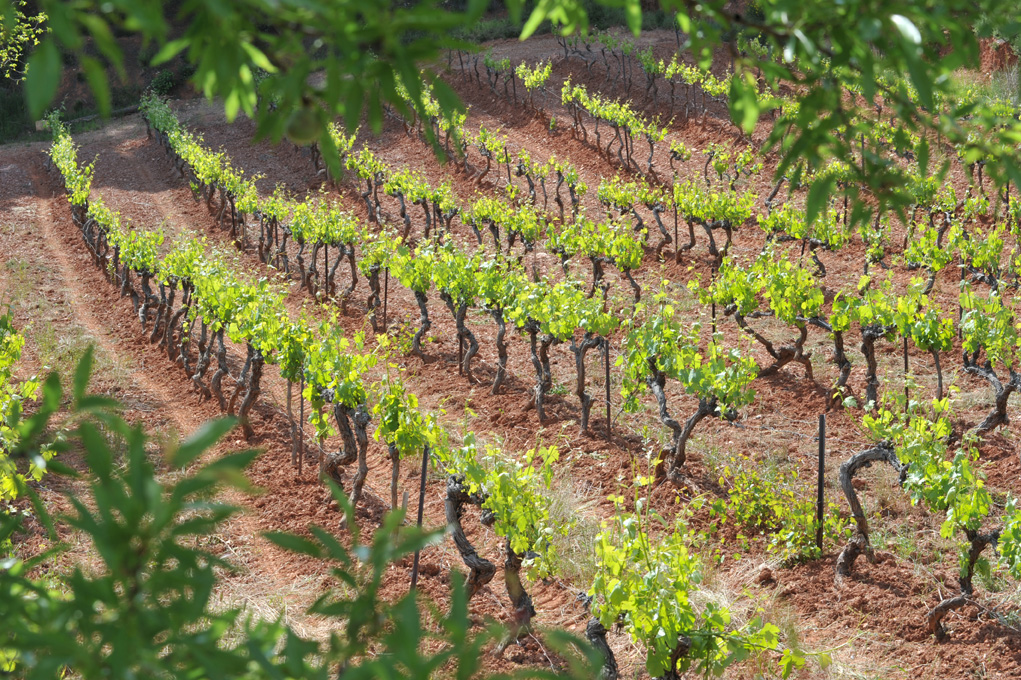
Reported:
(874, 622)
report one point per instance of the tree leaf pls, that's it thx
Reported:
(44, 72)
(82, 373)
(536, 18)
(920, 72)
(169, 51)
(292, 543)
(258, 57)
(744, 104)
(633, 13)
(818, 195)
(907, 29)
(201, 440)
(96, 75)
(96, 402)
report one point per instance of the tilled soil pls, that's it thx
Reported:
(873, 623)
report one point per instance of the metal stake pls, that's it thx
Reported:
(421, 508)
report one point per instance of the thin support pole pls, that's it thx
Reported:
(822, 473)
(606, 367)
(386, 294)
(713, 285)
(907, 394)
(421, 509)
(301, 426)
(960, 307)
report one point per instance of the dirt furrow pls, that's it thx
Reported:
(286, 502)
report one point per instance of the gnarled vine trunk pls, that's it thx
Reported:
(580, 351)
(783, 354)
(501, 349)
(463, 332)
(222, 369)
(352, 423)
(540, 361)
(839, 357)
(521, 602)
(395, 471)
(424, 325)
(667, 239)
(595, 633)
(361, 420)
(676, 457)
(252, 392)
(1001, 391)
(978, 543)
(859, 543)
(374, 301)
(480, 570)
(869, 335)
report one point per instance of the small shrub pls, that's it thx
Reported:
(185, 71)
(489, 29)
(401, 334)
(146, 54)
(163, 83)
(14, 120)
(125, 96)
(772, 502)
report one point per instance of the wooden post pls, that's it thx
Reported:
(460, 354)
(421, 508)
(822, 474)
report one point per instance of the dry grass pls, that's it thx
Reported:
(575, 549)
(258, 595)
